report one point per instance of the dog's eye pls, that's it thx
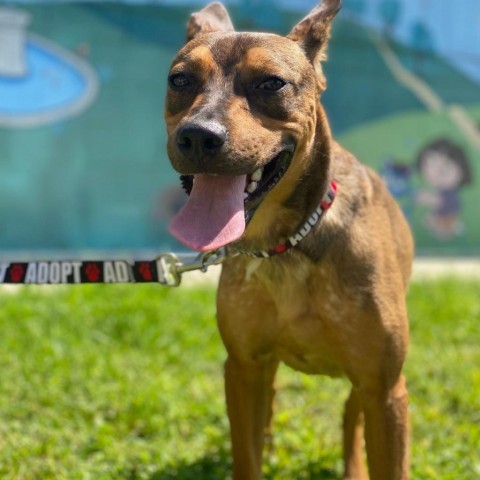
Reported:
(179, 80)
(271, 84)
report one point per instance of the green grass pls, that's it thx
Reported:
(117, 382)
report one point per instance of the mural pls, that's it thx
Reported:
(40, 82)
(428, 155)
(445, 169)
(82, 140)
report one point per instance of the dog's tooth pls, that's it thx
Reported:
(257, 175)
(245, 195)
(252, 186)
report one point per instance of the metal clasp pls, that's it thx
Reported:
(167, 269)
(204, 260)
(171, 268)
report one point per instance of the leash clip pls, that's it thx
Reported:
(171, 268)
(204, 260)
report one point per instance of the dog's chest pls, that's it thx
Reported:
(311, 323)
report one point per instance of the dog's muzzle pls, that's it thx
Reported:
(224, 191)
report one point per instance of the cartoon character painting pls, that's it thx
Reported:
(445, 168)
(398, 177)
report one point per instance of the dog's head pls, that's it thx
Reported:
(243, 117)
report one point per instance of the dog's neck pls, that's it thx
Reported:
(301, 234)
(291, 212)
(315, 180)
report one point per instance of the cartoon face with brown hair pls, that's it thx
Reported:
(444, 166)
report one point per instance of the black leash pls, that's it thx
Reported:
(166, 269)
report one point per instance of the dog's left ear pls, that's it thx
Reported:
(212, 18)
(313, 32)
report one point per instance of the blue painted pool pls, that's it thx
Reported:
(50, 84)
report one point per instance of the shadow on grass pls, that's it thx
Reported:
(218, 467)
(213, 467)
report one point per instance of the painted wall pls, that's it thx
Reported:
(83, 164)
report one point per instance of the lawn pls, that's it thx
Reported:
(122, 382)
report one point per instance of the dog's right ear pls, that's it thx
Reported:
(313, 33)
(213, 18)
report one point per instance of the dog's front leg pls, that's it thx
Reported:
(353, 439)
(386, 431)
(249, 392)
(247, 322)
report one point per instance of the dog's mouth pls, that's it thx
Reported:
(220, 206)
(263, 180)
(257, 184)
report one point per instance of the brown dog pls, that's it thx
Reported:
(248, 134)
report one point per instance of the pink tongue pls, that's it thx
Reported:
(214, 215)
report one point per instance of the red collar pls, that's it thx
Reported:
(306, 228)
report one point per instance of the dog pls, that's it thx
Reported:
(318, 253)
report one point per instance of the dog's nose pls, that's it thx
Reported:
(201, 139)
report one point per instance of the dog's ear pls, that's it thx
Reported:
(213, 18)
(313, 32)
